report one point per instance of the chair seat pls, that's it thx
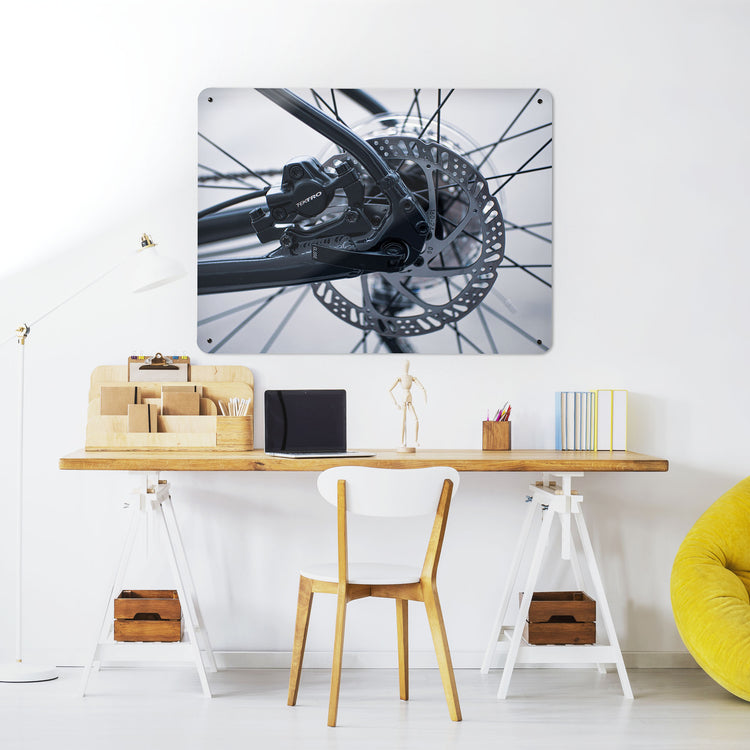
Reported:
(364, 573)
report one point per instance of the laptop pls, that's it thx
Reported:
(307, 424)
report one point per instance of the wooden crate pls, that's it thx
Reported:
(560, 618)
(152, 615)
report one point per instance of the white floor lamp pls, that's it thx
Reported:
(149, 271)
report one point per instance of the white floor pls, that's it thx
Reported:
(556, 708)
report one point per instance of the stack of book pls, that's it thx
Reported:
(591, 420)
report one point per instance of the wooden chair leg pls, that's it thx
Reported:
(304, 603)
(338, 654)
(402, 627)
(440, 640)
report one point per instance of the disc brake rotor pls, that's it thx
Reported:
(458, 263)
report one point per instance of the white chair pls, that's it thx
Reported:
(394, 493)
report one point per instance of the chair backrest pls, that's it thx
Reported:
(391, 493)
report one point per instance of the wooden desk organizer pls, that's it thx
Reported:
(207, 431)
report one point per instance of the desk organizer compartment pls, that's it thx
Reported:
(560, 617)
(207, 430)
(152, 615)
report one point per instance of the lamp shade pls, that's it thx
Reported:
(150, 270)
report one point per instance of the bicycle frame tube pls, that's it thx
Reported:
(217, 276)
(339, 134)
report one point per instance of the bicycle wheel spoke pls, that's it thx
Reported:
(335, 106)
(419, 108)
(367, 300)
(245, 306)
(505, 132)
(460, 338)
(440, 106)
(465, 232)
(459, 345)
(510, 226)
(454, 326)
(321, 102)
(407, 293)
(516, 328)
(436, 113)
(507, 138)
(525, 268)
(285, 320)
(388, 309)
(519, 170)
(487, 332)
(241, 325)
(361, 343)
(513, 326)
(414, 103)
(223, 176)
(234, 159)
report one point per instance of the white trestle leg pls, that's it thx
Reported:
(153, 507)
(550, 499)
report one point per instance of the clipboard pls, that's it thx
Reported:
(159, 368)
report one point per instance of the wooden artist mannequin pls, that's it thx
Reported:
(405, 380)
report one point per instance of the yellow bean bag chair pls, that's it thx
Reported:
(709, 587)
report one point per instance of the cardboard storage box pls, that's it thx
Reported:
(148, 615)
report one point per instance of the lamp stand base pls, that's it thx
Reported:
(17, 671)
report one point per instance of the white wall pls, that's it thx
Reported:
(651, 267)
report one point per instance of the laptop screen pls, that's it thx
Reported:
(305, 421)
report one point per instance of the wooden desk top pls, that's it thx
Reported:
(462, 460)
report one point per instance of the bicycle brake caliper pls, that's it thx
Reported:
(306, 192)
(351, 239)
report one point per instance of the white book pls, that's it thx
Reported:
(585, 430)
(619, 420)
(570, 421)
(604, 420)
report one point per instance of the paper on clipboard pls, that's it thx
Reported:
(159, 368)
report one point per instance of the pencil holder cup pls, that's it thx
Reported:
(495, 436)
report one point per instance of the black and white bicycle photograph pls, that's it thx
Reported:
(335, 221)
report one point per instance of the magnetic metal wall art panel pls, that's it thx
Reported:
(351, 221)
